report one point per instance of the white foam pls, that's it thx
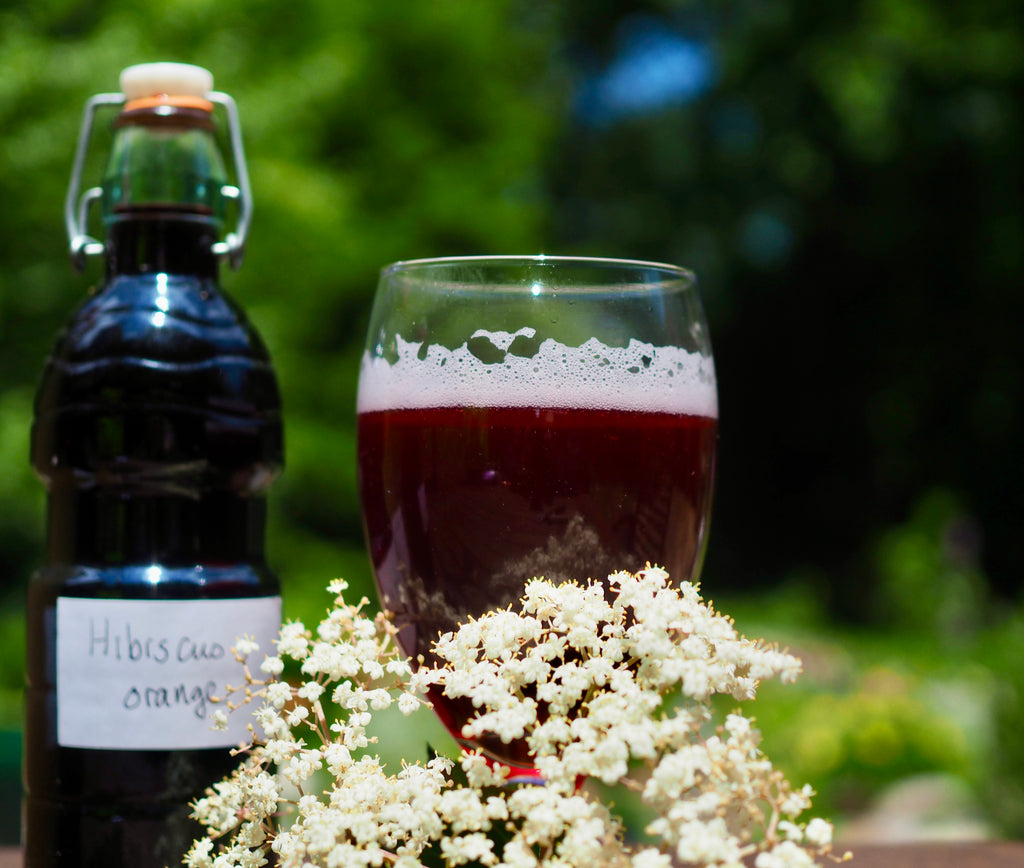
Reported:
(640, 376)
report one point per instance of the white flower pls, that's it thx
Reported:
(271, 723)
(246, 646)
(297, 715)
(481, 773)
(373, 669)
(786, 854)
(407, 703)
(278, 750)
(582, 674)
(651, 858)
(791, 831)
(519, 854)
(818, 832)
(399, 668)
(278, 694)
(293, 641)
(338, 758)
(465, 810)
(796, 803)
(198, 855)
(311, 691)
(272, 665)
(468, 848)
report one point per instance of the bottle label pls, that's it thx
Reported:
(142, 674)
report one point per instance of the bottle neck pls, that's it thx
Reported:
(104, 528)
(163, 193)
(164, 161)
(144, 241)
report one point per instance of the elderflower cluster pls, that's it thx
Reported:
(581, 674)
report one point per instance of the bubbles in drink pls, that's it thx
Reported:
(513, 369)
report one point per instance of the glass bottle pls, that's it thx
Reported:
(157, 432)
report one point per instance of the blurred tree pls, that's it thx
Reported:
(846, 181)
(365, 145)
(375, 130)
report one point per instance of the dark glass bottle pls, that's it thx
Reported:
(157, 432)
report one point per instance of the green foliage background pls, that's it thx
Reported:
(848, 187)
(365, 145)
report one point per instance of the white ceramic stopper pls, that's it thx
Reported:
(174, 79)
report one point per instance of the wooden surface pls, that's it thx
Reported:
(988, 855)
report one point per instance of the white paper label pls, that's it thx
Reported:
(139, 674)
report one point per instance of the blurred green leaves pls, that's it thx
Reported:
(365, 145)
(374, 131)
(848, 191)
(928, 574)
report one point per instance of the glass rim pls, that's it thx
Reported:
(539, 259)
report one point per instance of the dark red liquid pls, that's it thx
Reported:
(157, 432)
(463, 505)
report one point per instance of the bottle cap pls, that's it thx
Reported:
(145, 80)
(159, 90)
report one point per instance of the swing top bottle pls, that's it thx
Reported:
(157, 432)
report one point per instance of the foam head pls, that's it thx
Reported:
(639, 377)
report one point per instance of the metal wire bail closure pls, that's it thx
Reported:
(76, 207)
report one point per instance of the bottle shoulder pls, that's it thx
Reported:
(160, 317)
(152, 339)
(158, 376)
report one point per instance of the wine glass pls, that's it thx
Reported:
(529, 416)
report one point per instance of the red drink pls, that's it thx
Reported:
(463, 505)
(563, 462)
